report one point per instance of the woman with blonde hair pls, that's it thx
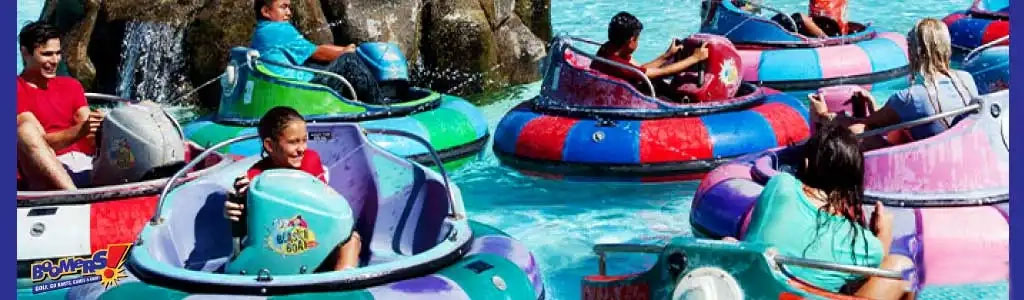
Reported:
(935, 87)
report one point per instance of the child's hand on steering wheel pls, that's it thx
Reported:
(701, 53)
(234, 210)
(673, 48)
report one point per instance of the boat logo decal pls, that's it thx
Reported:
(105, 266)
(121, 154)
(322, 136)
(729, 74)
(291, 236)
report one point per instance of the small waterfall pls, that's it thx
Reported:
(152, 62)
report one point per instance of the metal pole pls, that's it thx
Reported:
(607, 61)
(433, 156)
(311, 70)
(985, 46)
(825, 265)
(195, 161)
(926, 120)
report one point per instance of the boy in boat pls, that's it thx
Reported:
(623, 34)
(827, 18)
(56, 128)
(278, 40)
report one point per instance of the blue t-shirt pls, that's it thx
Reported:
(281, 42)
(786, 219)
(912, 103)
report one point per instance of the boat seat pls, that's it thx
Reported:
(197, 237)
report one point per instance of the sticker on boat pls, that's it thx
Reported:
(291, 236)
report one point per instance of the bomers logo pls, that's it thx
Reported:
(291, 236)
(105, 266)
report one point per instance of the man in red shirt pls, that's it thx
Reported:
(623, 33)
(56, 128)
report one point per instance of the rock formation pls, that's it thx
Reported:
(456, 46)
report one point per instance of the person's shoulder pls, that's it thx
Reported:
(312, 156)
(257, 168)
(967, 80)
(66, 81)
(782, 183)
(784, 178)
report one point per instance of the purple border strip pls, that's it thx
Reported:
(1016, 163)
(9, 12)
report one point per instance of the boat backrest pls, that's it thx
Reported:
(400, 210)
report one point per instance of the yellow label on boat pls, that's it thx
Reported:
(291, 236)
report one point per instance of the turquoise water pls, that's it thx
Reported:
(561, 221)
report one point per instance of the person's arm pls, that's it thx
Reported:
(664, 57)
(885, 288)
(328, 53)
(677, 67)
(883, 117)
(80, 128)
(812, 27)
(880, 118)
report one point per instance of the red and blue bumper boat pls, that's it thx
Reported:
(985, 22)
(983, 33)
(586, 125)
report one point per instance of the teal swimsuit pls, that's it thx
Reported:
(785, 219)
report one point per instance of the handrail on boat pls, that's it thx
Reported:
(647, 81)
(254, 56)
(966, 109)
(157, 216)
(984, 47)
(603, 249)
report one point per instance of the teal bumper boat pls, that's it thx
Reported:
(452, 125)
(691, 268)
(417, 240)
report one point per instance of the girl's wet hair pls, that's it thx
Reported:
(275, 120)
(930, 50)
(835, 165)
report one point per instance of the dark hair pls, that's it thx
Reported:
(623, 27)
(835, 165)
(275, 120)
(257, 7)
(35, 34)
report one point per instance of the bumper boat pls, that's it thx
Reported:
(417, 240)
(780, 59)
(56, 225)
(586, 125)
(453, 126)
(948, 194)
(985, 22)
(953, 225)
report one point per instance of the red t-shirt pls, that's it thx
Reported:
(310, 163)
(55, 107)
(616, 71)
